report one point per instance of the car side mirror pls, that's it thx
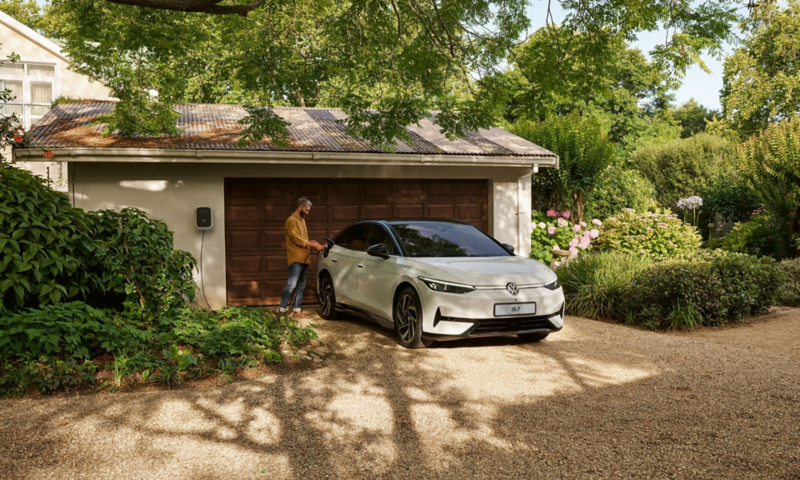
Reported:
(378, 250)
(508, 247)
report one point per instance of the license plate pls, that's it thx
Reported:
(507, 309)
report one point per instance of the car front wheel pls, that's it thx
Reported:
(408, 320)
(327, 298)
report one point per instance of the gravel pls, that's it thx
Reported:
(596, 400)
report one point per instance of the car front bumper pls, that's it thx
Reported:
(452, 316)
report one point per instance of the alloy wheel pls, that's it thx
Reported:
(326, 297)
(406, 318)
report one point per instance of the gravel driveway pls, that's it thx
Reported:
(596, 400)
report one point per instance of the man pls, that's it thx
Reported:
(298, 256)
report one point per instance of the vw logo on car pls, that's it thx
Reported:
(512, 288)
(435, 280)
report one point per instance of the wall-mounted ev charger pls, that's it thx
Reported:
(203, 218)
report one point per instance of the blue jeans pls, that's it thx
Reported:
(298, 272)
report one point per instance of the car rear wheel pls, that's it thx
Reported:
(408, 320)
(327, 298)
(533, 337)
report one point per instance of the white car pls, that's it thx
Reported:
(437, 280)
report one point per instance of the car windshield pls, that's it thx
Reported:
(439, 239)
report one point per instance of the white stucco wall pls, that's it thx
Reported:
(170, 192)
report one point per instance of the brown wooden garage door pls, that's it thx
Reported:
(256, 209)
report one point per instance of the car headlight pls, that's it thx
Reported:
(447, 287)
(554, 285)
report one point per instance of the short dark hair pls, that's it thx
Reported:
(302, 202)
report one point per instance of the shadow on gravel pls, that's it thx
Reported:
(563, 408)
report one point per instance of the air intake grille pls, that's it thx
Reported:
(510, 325)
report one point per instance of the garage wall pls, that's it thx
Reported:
(170, 192)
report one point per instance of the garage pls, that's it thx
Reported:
(483, 178)
(256, 209)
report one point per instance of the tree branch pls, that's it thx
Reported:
(196, 6)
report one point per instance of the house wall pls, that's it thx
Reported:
(170, 192)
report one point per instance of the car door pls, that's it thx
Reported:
(375, 276)
(344, 258)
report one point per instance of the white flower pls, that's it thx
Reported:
(533, 225)
(596, 222)
(542, 225)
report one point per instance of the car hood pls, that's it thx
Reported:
(485, 271)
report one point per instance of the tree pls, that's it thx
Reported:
(693, 118)
(387, 63)
(617, 84)
(584, 152)
(770, 164)
(762, 77)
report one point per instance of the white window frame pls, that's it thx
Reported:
(55, 90)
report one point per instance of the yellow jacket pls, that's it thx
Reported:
(297, 249)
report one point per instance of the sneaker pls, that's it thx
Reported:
(300, 315)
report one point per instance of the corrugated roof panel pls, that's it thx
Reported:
(217, 127)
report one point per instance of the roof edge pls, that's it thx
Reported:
(32, 35)
(135, 155)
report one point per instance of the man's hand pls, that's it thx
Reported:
(315, 244)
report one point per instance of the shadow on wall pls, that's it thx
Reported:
(562, 408)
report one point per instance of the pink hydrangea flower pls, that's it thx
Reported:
(552, 213)
(574, 242)
(562, 223)
(573, 252)
(597, 222)
(566, 214)
(557, 264)
(594, 233)
(584, 243)
(587, 234)
(533, 225)
(576, 228)
(583, 224)
(551, 231)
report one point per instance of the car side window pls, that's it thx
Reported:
(353, 238)
(378, 234)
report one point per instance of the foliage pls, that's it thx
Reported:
(693, 118)
(619, 188)
(790, 293)
(762, 77)
(584, 153)
(70, 330)
(655, 235)
(684, 167)
(27, 12)
(706, 289)
(57, 344)
(46, 245)
(595, 285)
(387, 64)
(760, 236)
(137, 262)
(730, 198)
(617, 84)
(553, 230)
(770, 164)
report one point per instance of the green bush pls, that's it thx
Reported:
(617, 189)
(46, 246)
(137, 262)
(655, 235)
(595, 285)
(760, 236)
(790, 292)
(707, 289)
(730, 198)
(684, 167)
(53, 253)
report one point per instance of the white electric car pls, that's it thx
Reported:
(437, 280)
